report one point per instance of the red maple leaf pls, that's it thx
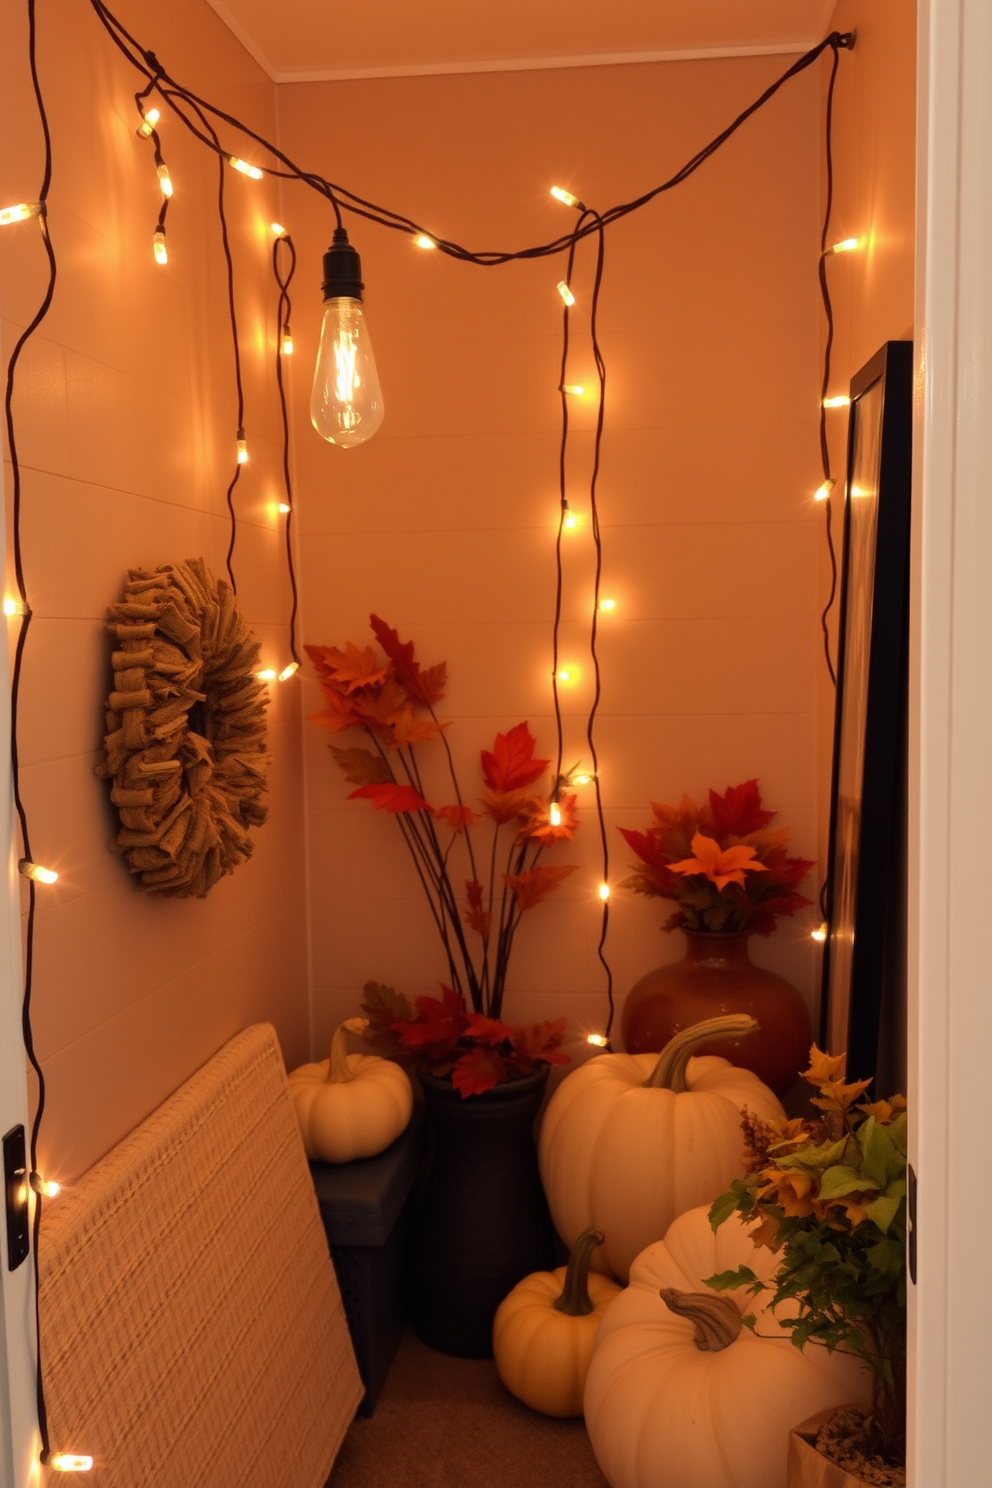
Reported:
(457, 817)
(540, 1043)
(511, 765)
(476, 917)
(738, 812)
(486, 1030)
(537, 883)
(424, 686)
(385, 796)
(478, 1071)
(437, 1027)
(508, 806)
(655, 877)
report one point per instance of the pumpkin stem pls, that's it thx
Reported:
(339, 1071)
(669, 1072)
(717, 1320)
(575, 1300)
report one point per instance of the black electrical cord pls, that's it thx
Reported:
(284, 332)
(828, 311)
(15, 695)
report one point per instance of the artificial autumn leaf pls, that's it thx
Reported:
(675, 826)
(408, 729)
(338, 713)
(457, 817)
(380, 708)
(738, 812)
(486, 1030)
(383, 1006)
(424, 686)
(720, 866)
(538, 826)
(656, 876)
(388, 796)
(540, 1043)
(361, 766)
(824, 1068)
(507, 806)
(350, 668)
(478, 1071)
(537, 883)
(511, 765)
(476, 917)
(437, 1027)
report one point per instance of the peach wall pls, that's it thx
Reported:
(126, 421)
(445, 523)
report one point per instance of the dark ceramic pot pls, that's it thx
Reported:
(717, 976)
(485, 1221)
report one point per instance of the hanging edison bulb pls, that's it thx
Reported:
(346, 402)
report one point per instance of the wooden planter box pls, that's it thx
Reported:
(808, 1468)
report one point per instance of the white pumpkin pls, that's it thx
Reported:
(630, 1141)
(691, 1399)
(350, 1105)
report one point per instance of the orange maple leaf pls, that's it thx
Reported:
(361, 766)
(381, 708)
(408, 729)
(511, 765)
(387, 796)
(476, 917)
(541, 1042)
(457, 817)
(350, 668)
(507, 806)
(338, 713)
(537, 883)
(720, 866)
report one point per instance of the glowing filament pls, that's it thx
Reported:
(148, 123)
(604, 892)
(159, 248)
(48, 1189)
(242, 452)
(565, 293)
(71, 1462)
(600, 1040)
(554, 814)
(289, 671)
(839, 402)
(287, 341)
(566, 197)
(164, 180)
(246, 169)
(268, 674)
(570, 520)
(284, 508)
(12, 606)
(573, 389)
(423, 241)
(846, 245)
(19, 213)
(607, 604)
(820, 933)
(37, 872)
(346, 378)
(822, 492)
(279, 230)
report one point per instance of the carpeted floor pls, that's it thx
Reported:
(449, 1423)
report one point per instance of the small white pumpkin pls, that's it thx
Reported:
(630, 1141)
(688, 1398)
(350, 1105)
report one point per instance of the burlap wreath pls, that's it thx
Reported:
(185, 746)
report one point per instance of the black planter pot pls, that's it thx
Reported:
(485, 1221)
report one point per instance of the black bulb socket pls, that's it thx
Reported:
(342, 269)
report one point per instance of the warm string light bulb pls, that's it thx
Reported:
(71, 1462)
(582, 779)
(607, 604)
(423, 241)
(598, 1039)
(840, 401)
(822, 492)
(846, 245)
(566, 293)
(267, 674)
(287, 341)
(148, 122)
(242, 450)
(284, 508)
(159, 248)
(164, 180)
(570, 520)
(565, 675)
(565, 197)
(554, 814)
(289, 671)
(48, 1188)
(41, 875)
(604, 892)
(20, 212)
(573, 389)
(278, 230)
(820, 933)
(246, 168)
(12, 606)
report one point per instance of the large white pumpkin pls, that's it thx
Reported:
(630, 1141)
(663, 1411)
(350, 1105)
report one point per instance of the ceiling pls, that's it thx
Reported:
(317, 40)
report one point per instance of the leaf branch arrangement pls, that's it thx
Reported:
(722, 863)
(393, 700)
(830, 1196)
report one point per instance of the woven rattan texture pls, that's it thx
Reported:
(192, 1330)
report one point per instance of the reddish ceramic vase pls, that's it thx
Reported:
(717, 976)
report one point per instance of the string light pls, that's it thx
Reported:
(12, 606)
(822, 492)
(27, 869)
(48, 1188)
(846, 245)
(245, 168)
(820, 933)
(287, 341)
(573, 389)
(566, 675)
(71, 1462)
(840, 401)
(565, 293)
(284, 508)
(554, 814)
(165, 181)
(604, 891)
(148, 122)
(289, 671)
(581, 779)
(570, 521)
(607, 604)
(566, 197)
(242, 451)
(278, 230)
(598, 1039)
(159, 248)
(19, 213)
(267, 674)
(423, 241)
